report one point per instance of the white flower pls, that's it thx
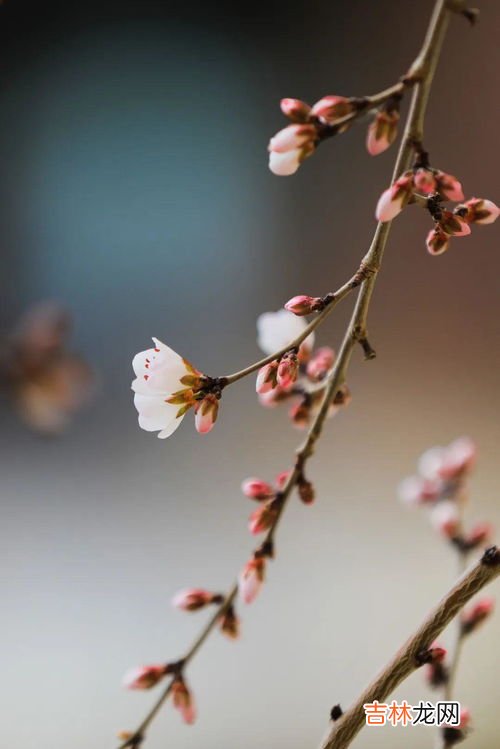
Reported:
(162, 376)
(275, 330)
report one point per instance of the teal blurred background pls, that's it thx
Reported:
(135, 190)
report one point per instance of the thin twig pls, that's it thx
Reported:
(406, 660)
(421, 73)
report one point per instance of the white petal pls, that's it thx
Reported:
(275, 330)
(154, 413)
(158, 370)
(171, 428)
(284, 164)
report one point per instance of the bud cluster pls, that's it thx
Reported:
(435, 187)
(310, 125)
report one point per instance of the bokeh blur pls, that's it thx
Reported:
(135, 192)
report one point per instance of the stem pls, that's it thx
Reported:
(421, 74)
(405, 661)
(338, 295)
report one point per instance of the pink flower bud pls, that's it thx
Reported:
(449, 187)
(424, 181)
(331, 108)
(288, 370)
(303, 305)
(476, 615)
(437, 241)
(465, 718)
(257, 489)
(445, 518)
(382, 131)
(230, 624)
(453, 224)
(320, 363)
(183, 701)
(144, 677)
(416, 490)
(300, 414)
(480, 535)
(292, 137)
(479, 211)
(263, 517)
(282, 478)
(193, 599)
(295, 109)
(206, 412)
(394, 199)
(267, 378)
(251, 579)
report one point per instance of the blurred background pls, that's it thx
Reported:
(135, 191)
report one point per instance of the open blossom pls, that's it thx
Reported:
(289, 147)
(479, 211)
(382, 131)
(164, 388)
(251, 579)
(275, 330)
(395, 198)
(183, 701)
(193, 599)
(144, 677)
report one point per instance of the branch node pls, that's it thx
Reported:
(491, 557)
(336, 712)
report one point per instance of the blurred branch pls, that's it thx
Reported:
(407, 659)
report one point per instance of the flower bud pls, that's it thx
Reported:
(292, 137)
(144, 677)
(251, 579)
(124, 735)
(453, 224)
(206, 412)
(437, 241)
(288, 370)
(476, 615)
(331, 108)
(424, 181)
(284, 164)
(303, 305)
(230, 624)
(182, 700)
(436, 672)
(257, 489)
(320, 363)
(382, 131)
(282, 478)
(193, 599)
(449, 187)
(395, 198)
(445, 518)
(300, 414)
(459, 459)
(479, 211)
(295, 109)
(263, 517)
(306, 491)
(267, 378)
(480, 535)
